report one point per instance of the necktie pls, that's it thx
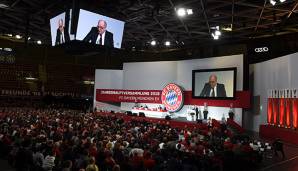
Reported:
(213, 93)
(100, 39)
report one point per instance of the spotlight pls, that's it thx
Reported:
(217, 33)
(272, 2)
(38, 42)
(18, 36)
(181, 12)
(9, 35)
(29, 38)
(282, 1)
(215, 37)
(189, 11)
(153, 43)
(167, 43)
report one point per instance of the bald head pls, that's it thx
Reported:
(213, 80)
(60, 24)
(101, 26)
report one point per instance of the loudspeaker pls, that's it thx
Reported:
(168, 118)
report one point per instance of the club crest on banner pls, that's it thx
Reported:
(172, 97)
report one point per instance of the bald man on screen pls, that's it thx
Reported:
(213, 89)
(100, 35)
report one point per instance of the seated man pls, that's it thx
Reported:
(213, 89)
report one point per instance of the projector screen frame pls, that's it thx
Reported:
(234, 69)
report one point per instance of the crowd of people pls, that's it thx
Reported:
(59, 139)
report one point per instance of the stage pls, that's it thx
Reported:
(288, 135)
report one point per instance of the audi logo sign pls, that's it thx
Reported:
(261, 49)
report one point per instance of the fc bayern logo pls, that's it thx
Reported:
(172, 97)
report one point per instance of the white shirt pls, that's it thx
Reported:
(102, 38)
(215, 92)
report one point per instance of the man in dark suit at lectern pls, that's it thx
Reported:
(213, 89)
(99, 35)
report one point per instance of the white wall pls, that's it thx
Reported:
(107, 79)
(279, 73)
(149, 75)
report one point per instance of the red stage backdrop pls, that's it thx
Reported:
(288, 110)
(242, 99)
(275, 110)
(295, 112)
(270, 110)
(281, 111)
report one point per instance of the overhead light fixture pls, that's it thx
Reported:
(30, 78)
(181, 12)
(167, 43)
(228, 28)
(2, 5)
(153, 43)
(282, 1)
(38, 42)
(18, 36)
(88, 82)
(217, 33)
(189, 11)
(215, 37)
(29, 38)
(9, 35)
(272, 2)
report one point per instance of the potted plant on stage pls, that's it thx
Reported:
(231, 112)
(205, 112)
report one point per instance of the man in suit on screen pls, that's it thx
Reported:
(62, 35)
(213, 89)
(99, 35)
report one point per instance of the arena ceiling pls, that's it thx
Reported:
(156, 19)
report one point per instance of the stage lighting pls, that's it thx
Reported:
(272, 2)
(217, 33)
(282, 1)
(189, 11)
(167, 43)
(38, 42)
(2, 5)
(18, 36)
(153, 43)
(215, 37)
(181, 12)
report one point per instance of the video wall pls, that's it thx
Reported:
(91, 27)
(214, 83)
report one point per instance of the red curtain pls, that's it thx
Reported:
(269, 110)
(281, 111)
(295, 112)
(288, 111)
(275, 111)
